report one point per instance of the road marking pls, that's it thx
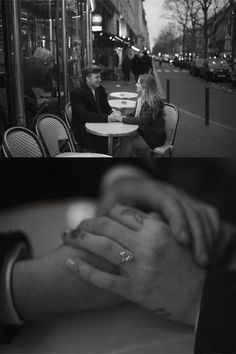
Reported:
(185, 71)
(167, 71)
(211, 122)
(176, 71)
(159, 71)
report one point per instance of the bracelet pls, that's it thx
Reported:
(8, 313)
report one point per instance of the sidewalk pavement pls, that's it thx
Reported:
(193, 138)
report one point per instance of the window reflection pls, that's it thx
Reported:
(52, 55)
(39, 55)
(76, 30)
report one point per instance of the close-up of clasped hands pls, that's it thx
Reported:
(147, 243)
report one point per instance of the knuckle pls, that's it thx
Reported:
(95, 225)
(101, 224)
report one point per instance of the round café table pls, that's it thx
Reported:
(122, 104)
(81, 154)
(124, 95)
(111, 130)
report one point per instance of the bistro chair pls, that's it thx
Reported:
(21, 142)
(172, 121)
(56, 139)
(54, 134)
(68, 120)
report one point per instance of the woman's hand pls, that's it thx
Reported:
(44, 287)
(161, 276)
(192, 222)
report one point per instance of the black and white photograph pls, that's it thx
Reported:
(117, 176)
(100, 78)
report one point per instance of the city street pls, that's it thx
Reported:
(187, 92)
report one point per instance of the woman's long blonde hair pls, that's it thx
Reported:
(151, 94)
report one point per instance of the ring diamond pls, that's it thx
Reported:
(126, 256)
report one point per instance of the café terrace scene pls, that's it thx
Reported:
(117, 78)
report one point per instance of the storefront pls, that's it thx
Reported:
(108, 51)
(44, 46)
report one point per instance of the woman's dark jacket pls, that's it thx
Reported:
(151, 125)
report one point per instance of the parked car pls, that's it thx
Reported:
(182, 63)
(195, 66)
(215, 69)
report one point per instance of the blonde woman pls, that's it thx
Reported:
(149, 115)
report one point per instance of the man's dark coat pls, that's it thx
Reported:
(86, 109)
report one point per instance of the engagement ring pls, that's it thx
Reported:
(126, 256)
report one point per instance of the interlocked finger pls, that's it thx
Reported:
(103, 247)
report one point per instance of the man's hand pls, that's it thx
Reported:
(162, 275)
(192, 222)
(115, 116)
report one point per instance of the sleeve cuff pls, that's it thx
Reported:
(216, 330)
(8, 313)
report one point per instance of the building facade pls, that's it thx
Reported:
(65, 30)
(123, 30)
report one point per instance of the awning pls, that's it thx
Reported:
(107, 39)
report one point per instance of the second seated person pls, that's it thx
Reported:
(150, 117)
(89, 104)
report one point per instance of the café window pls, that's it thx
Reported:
(44, 47)
(41, 57)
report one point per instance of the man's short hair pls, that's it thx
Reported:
(92, 69)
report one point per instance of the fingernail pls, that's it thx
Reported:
(65, 234)
(75, 233)
(72, 233)
(73, 264)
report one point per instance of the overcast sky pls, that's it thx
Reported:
(155, 18)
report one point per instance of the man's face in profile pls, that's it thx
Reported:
(94, 80)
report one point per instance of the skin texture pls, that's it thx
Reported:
(162, 275)
(50, 289)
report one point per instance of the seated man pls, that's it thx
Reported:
(89, 104)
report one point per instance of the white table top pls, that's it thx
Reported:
(81, 154)
(124, 95)
(111, 129)
(122, 329)
(119, 104)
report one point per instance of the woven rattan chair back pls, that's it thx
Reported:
(21, 142)
(54, 134)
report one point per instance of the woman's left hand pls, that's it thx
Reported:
(155, 271)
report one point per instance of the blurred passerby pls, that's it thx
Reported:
(136, 67)
(146, 63)
(126, 68)
(116, 64)
(38, 80)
